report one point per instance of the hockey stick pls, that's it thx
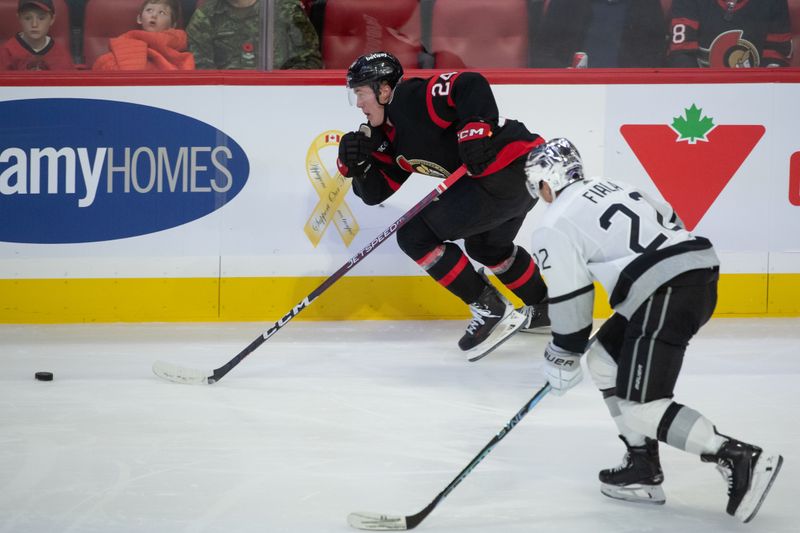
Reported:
(181, 374)
(384, 522)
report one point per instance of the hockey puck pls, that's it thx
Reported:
(44, 376)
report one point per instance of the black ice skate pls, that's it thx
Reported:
(749, 473)
(536, 318)
(493, 321)
(639, 477)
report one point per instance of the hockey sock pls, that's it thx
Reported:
(612, 402)
(448, 265)
(520, 274)
(675, 424)
(686, 429)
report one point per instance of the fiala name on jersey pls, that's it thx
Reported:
(600, 190)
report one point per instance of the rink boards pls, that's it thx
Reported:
(216, 198)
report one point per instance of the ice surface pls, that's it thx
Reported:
(327, 418)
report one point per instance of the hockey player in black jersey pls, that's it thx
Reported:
(662, 282)
(432, 126)
(730, 33)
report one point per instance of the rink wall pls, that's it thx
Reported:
(215, 196)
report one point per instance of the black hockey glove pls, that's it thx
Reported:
(475, 146)
(354, 154)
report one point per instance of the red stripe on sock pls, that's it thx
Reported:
(454, 272)
(520, 281)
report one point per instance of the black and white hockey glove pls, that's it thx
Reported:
(562, 368)
(355, 149)
(475, 146)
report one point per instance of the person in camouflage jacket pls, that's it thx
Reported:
(226, 34)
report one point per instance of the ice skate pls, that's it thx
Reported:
(494, 320)
(638, 479)
(536, 318)
(749, 473)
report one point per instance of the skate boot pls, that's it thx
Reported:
(639, 477)
(749, 473)
(537, 319)
(494, 320)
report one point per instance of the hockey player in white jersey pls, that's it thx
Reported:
(662, 285)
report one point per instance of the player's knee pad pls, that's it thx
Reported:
(602, 367)
(416, 239)
(644, 418)
(498, 258)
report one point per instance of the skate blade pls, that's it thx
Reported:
(501, 333)
(764, 474)
(541, 330)
(650, 494)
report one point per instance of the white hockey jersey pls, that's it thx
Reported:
(610, 232)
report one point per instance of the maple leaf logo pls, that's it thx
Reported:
(689, 174)
(694, 127)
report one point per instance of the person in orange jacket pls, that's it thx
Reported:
(159, 45)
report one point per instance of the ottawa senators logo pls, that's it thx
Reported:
(422, 167)
(730, 50)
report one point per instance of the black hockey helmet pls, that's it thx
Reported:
(372, 69)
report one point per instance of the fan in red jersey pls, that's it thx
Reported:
(730, 33)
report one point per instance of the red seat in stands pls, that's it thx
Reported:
(355, 27)
(9, 23)
(104, 19)
(794, 16)
(473, 34)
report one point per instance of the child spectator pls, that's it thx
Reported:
(159, 45)
(226, 34)
(33, 48)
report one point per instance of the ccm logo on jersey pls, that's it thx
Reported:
(474, 130)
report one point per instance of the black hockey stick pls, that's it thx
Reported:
(384, 522)
(180, 374)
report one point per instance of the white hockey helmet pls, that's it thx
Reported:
(557, 163)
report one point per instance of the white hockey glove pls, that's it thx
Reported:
(562, 368)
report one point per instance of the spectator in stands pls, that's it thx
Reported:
(159, 45)
(226, 34)
(33, 48)
(187, 8)
(730, 33)
(612, 33)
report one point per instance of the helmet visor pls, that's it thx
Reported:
(362, 95)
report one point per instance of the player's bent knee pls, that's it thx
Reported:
(644, 418)
(602, 367)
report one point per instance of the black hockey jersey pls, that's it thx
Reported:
(419, 134)
(730, 33)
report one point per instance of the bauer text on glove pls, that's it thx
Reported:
(562, 368)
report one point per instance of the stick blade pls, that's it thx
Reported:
(181, 374)
(376, 522)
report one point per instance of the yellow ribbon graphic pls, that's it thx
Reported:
(331, 190)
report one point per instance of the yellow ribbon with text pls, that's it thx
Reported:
(331, 190)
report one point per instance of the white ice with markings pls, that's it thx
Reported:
(327, 418)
